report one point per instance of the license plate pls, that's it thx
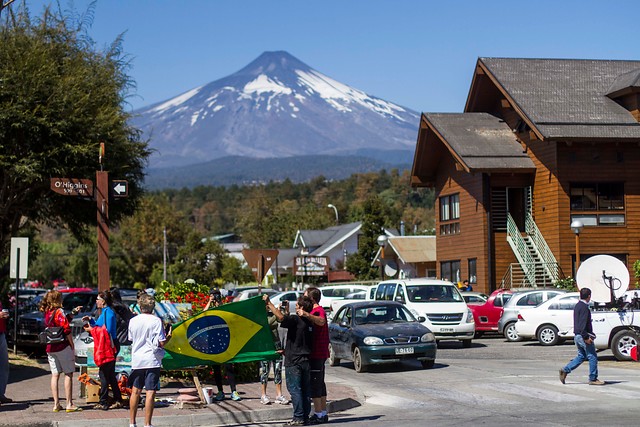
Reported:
(404, 350)
(446, 329)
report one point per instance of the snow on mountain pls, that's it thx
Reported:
(276, 106)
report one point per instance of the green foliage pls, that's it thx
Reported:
(59, 99)
(195, 294)
(568, 284)
(372, 226)
(636, 271)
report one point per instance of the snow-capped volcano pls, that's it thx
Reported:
(276, 106)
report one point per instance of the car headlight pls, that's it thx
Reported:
(373, 341)
(428, 337)
(469, 316)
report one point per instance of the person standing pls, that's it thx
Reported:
(60, 355)
(584, 336)
(296, 357)
(147, 338)
(4, 356)
(106, 346)
(277, 364)
(319, 355)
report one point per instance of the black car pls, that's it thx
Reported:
(374, 332)
(32, 323)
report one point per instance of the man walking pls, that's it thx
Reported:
(583, 338)
(147, 338)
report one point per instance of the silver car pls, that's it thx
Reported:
(522, 299)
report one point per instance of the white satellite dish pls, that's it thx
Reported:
(601, 273)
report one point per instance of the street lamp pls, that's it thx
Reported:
(576, 226)
(335, 210)
(382, 242)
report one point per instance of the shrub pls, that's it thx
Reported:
(568, 284)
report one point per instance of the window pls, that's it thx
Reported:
(530, 300)
(471, 264)
(449, 211)
(601, 199)
(450, 270)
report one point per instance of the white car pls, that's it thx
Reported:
(550, 322)
(244, 294)
(336, 292)
(290, 296)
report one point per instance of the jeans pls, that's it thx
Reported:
(585, 352)
(299, 383)
(4, 365)
(107, 373)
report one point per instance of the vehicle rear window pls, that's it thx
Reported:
(72, 300)
(433, 293)
(380, 314)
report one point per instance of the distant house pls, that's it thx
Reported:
(541, 143)
(408, 256)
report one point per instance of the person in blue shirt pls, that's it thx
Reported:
(107, 371)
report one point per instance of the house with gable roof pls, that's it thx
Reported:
(541, 143)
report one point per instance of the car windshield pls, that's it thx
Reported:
(433, 293)
(72, 300)
(382, 314)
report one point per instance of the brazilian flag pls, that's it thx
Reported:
(234, 332)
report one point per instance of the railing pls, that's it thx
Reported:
(541, 246)
(529, 275)
(520, 248)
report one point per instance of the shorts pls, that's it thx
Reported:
(318, 387)
(148, 378)
(277, 371)
(62, 361)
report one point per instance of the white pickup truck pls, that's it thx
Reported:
(618, 330)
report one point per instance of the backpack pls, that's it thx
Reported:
(123, 316)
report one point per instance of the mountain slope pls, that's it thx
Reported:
(275, 107)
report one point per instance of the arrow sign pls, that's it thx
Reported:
(260, 260)
(120, 188)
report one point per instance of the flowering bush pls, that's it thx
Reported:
(568, 284)
(195, 294)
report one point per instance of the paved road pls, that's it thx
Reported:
(494, 383)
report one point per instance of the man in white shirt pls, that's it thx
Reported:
(147, 338)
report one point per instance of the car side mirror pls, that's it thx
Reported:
(344, 324)
(400, 299)
(422, 319)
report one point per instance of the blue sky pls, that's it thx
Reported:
(417, 53)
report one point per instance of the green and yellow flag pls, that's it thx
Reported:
(234, 332)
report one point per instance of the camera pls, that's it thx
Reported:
(283, 307)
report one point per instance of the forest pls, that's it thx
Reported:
(263, 216)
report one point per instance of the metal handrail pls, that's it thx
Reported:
(518, 276)
(519, 246)
(541, 246)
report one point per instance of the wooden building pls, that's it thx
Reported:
(541, 143)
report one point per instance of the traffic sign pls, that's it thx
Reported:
(260, 260)
(72, 187)
(120, 188)
(19, 260)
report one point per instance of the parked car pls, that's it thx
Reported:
(375, 332)
(471, 297)
(31, 324)
(522, 299)
(550, 322)
(290, 296)
(335, 292)
(337, 303)
(487, 314)
(249, 293)
(445, 312)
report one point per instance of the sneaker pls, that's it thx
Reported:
(235, 396)
(295, 422)
(219, 396)
(563, 376)
(265, 400)
(596, 382)
(281, 400)
(314, 419)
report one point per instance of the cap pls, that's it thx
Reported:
(151, 291)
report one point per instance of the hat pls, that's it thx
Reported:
(151, 291)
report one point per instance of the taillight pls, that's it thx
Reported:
(520, 317)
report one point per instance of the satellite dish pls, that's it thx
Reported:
(602, 274)
(391, 268)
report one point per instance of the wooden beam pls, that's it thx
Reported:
(505, 103)
(533, 136)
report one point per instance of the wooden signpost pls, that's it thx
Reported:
(83, 188)
(260, 261)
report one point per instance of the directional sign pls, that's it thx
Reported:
(120, 188)
(260, 260)
(19, 259)
(72, 187)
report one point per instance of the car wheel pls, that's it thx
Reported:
(623, 342)
(510, 333)
(478, 334)
(428, 364)
(357, 361)
(548, 335)
(333, 360)
(466, 343)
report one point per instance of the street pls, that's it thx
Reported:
(493, 383)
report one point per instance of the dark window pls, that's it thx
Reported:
(602, 199)
(450, 270)
(449, 212)
(473, 279)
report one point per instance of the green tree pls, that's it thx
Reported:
(59, 99)
(373, 224)
(199, 259)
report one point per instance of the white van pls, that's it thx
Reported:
(438, 301)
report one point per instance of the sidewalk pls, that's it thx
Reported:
(29, 387)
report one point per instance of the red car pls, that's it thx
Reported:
(486, 315)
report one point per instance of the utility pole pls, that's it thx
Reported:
(102, 201)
